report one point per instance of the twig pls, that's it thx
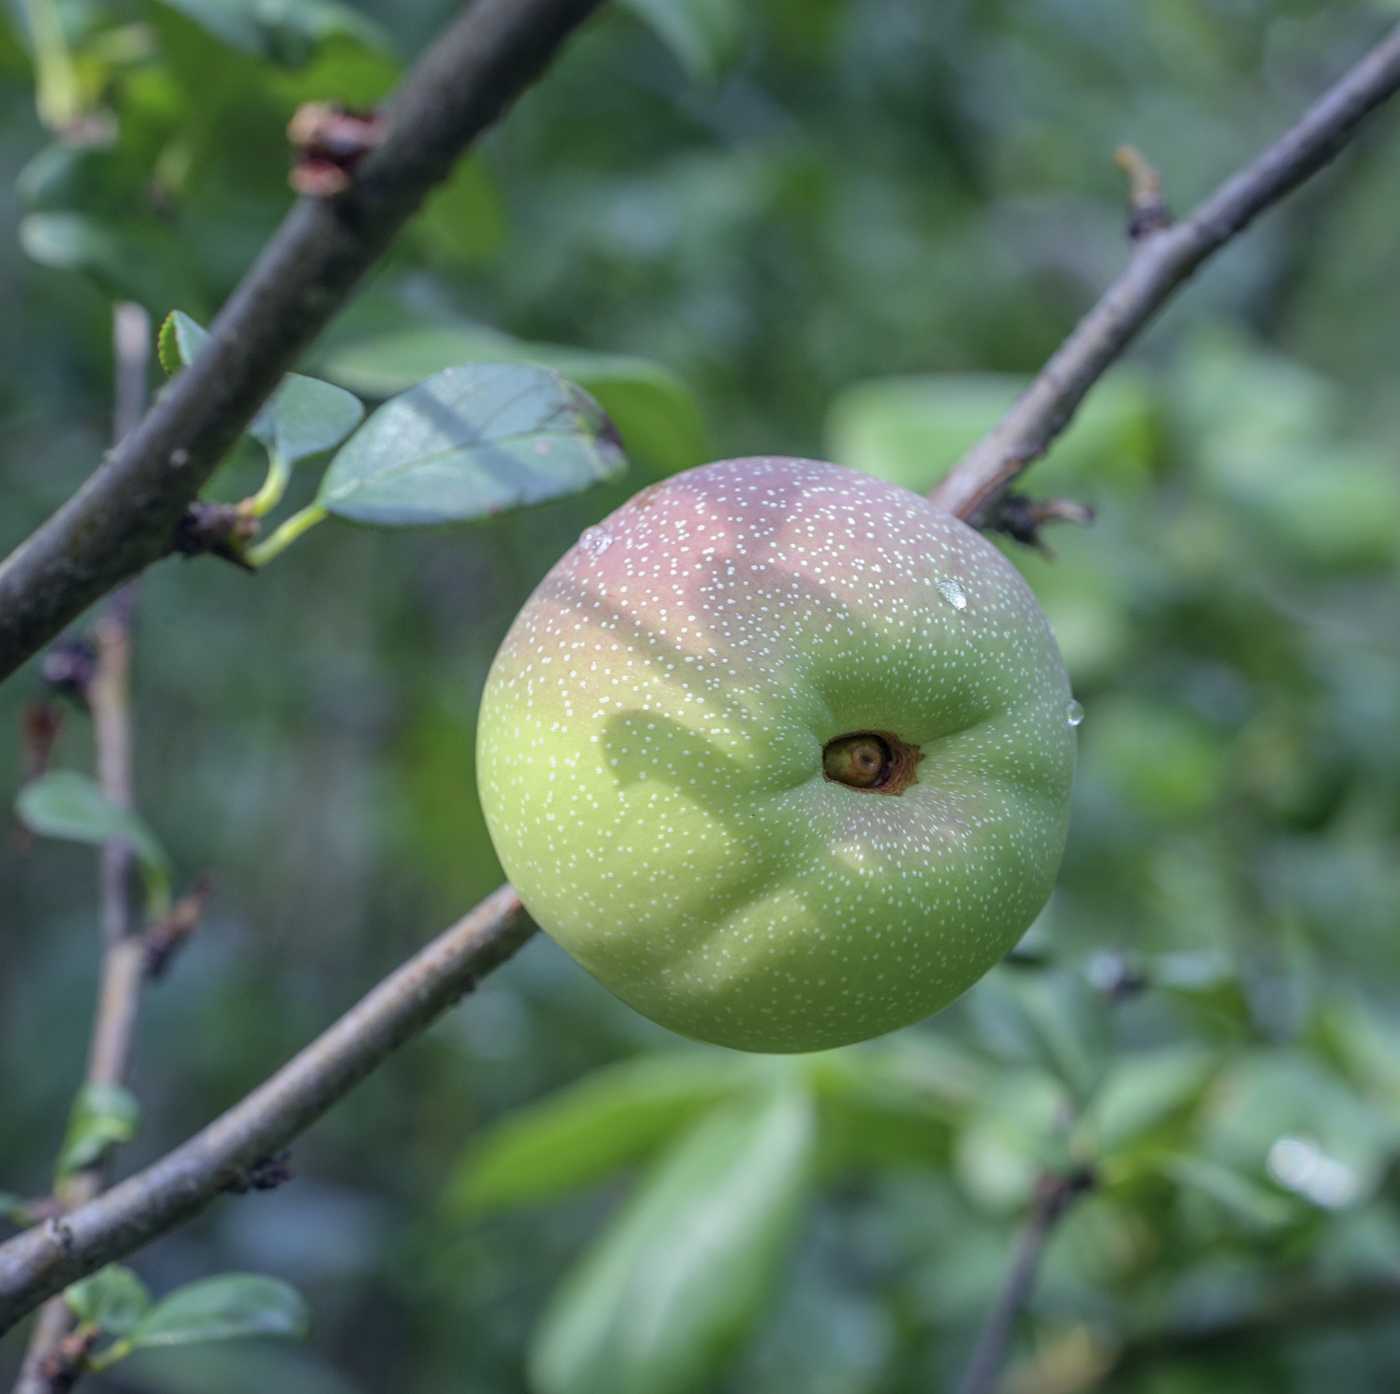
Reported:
(1161, 261)
(108, 692)
(1053, 1197)
(46, 1259)
(126, 514)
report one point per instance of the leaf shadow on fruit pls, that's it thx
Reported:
(646, 747)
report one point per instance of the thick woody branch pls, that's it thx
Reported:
(46, 1259)
(1162, 260)
(125, 516)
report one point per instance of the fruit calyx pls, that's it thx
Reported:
(874, 762)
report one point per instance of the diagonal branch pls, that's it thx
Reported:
(1162, 260)
(46, 1259)
(124, 517)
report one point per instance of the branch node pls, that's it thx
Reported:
(1147, 208)
(331, 141)
(62, 1367)
(218, 529)
(1021, 518)
(167, 936)
(69, 668)
(266, 1175)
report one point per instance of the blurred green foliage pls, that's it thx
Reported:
(853, 228)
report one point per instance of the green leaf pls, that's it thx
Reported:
(655, 413)
(14, 1208)
(179, 340)
(463, 221)
(1258, 1208)
(912, 430)
(132, 259)
(305, 417)
(471, 442)
(1142, 1089)
(225, 1308)
(102, 1116)
(114, 1298)
(66, 804)
(610, 1120)
(286, 32)
(703, 34)
(680, 1277)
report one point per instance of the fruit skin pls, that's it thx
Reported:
(650, 754)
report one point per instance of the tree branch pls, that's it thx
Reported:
(1054, 1196)
(1161, 261)
(125, 516)
(123, 952)
(46, 1259)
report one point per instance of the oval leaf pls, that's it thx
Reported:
(702, 34)
(179, 340)
(610, 1120)
(66, 804)
(114, 1297)
(655, 413)
(471, 442)
(305, 417)
(102, 1116)
(682, 1275)
(225, 1308)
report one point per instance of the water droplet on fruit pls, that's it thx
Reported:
(1074, 714)
(954, 594)
(596, 541)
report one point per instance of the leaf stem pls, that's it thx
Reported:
(267, 498)
(118, 1350)
(284, 535)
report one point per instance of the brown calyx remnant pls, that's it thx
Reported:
(877, 762)
(330, 143)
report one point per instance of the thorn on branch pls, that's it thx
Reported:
(167, 936)
(219, 529)
(1147, 208)
(63, 1366)
(330, 142)
(1021, 518)
(266, 1175)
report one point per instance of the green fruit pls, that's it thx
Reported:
(781, 754)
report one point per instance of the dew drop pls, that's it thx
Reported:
(954, 594)
(1074, 714)
(596, 541)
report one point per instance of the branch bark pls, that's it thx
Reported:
(123, 952)
(1054, 1196)
(1161, 261)
(46, 1259)
(124, 517)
